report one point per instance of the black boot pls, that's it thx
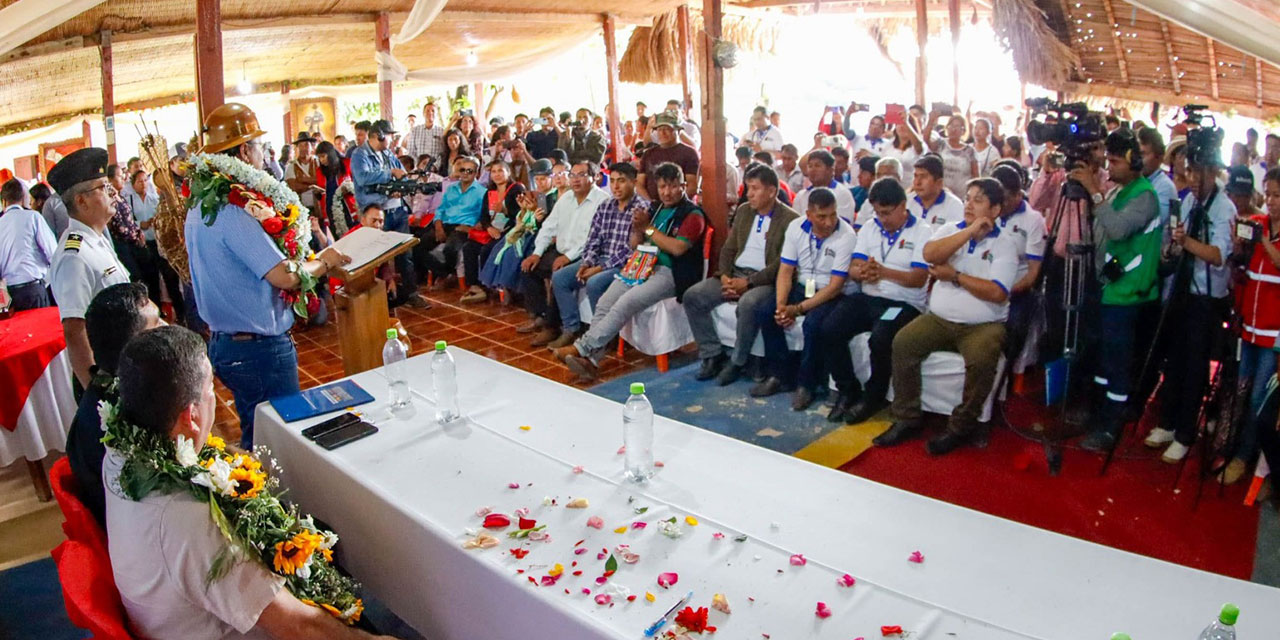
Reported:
(864, 410)
(900, 432)
(729, 374)
(710, 368)
(948, 441)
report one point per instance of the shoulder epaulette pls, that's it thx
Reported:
(73, 242)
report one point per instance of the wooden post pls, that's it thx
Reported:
(922, 39)
(108, 95)
(477, 105)
(953, 16)
(288, 112)
(1213, 67)
(714, 131)
(382, 40)
(209, 84)
(686, 52)
(611, 79)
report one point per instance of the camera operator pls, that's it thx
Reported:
(1198, 302)
(1257, 245)
(1126, 236)
(580, 141)
(372, 163)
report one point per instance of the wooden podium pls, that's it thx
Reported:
(363, 315)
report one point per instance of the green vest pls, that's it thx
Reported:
(1139, 255)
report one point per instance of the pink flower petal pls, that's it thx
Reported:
(639, 525)
(717, 536)
(798, 560)
(579, 551)
(630, 557)
(595, 522)
(601, 580)
(547, 581)
(916, 557)
(603, 599)
(601, 555)
(845, 580)
(659, 464)
(667, 579)
(577, 469)
(586, 591)
(823, 611)
(513, 485)
(522, 512)
(622, 449)
(483, 511)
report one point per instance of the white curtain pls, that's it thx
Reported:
(24, 20)
(1229, 22)
(421, 16)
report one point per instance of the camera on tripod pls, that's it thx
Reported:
(1204, 139)
(1074, 133)
(407, 185)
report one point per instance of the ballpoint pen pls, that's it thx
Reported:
(653, 628)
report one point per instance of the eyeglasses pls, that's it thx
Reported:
(109, 190)
(579, 175)
(466, 170)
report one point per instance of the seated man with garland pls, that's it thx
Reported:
(178, 571)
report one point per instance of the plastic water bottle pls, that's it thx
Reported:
(1224, 628)
(1120, 636)
(444, 379)
(394, 353)
(637, 434)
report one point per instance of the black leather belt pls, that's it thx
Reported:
(33, 283)
(242, 336)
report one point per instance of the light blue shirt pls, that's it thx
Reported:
(1221, 218)
(1165, 191)
(229, 262)
(144, 209)
(368, 168)
(462, 207)
(26, 246)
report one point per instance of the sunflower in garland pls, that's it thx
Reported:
(216, 443)
(293, 554)
(246, 482)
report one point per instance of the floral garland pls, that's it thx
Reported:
(216, 179)
(245, 505)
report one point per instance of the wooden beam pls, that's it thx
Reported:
(477, 107)
(1173, 60)
(1140, 94)
(953, 18)
(686, 52)
(922, 39)
(382, 42)
(53, 47)
(1114, 27)
(714, 130)
(209, 83)
(288, 111)
(108, 95)
(1213, 67)
(611, 80)
(1257, 71)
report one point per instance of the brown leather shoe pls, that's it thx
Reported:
(583, 367)
(564, 352)
(544, 338)
(565, 339)
(532, 325)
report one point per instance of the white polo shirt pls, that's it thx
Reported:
(819, 258)
(84, 263)
(846, 206)
(866, 213)
(769, 140)
(946, 209)
(752, 256)
(1025, 226)
(993, 258)
(902, 250)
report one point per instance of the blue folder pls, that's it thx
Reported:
(322, 399)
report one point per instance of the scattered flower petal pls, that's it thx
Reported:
(548, 581)
(513, 485)
(846, 580)
(556, 571)
(659, 464)
(526, 523)
(601, 579)
(548, 501)
(522, 512)
(649, 596)
(798, 560)
(694, 621)
(622, 449)
(578, 572)
(823, 611)
(891, 630)
(668, 579)
(595, 522)
(717, 536)
(579, 551)
(631, 598)
(692, 521)
(481, 541)
(720, 603)
(630, 557)
(639, 525)
(577, 503)
(483, 511)
(577, 469)
(622, 529)
(539, 534)
(496, 521)
(525, 427)
(670, 529)
(519, 553)
(916, 557)
(586, 591)
(603, 599)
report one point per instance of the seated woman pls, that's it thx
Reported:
(502, 207)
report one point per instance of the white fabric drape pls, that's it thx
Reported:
(391, 69)
(1231, 23)
(22, 21)
(45, 418)
(421, 16)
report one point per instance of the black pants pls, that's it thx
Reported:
(30, 295)
(1191, 329)
(155, 268)
(534, 286)
(455, 243)
(856, 314)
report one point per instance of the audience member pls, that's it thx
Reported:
(821, 172)
(669, 149)
(26, 250)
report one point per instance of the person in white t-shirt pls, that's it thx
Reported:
(889, 262)
(763, 136)
(885, 168)
(932, 202)
(813, 274)
(820, 166)
(789, 170)
(1026, 227)
(163, 545)
(974, 263)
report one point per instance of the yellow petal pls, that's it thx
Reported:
(622, 529)
(556, 570)
(693, 522)
(649, 596)
(577, 503)
(525, 427)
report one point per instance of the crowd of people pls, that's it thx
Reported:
(1138, 261)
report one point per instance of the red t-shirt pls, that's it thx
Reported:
(679, 153)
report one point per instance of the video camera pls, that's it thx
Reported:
(1204, 140)
(408, 186)
(1075, 132)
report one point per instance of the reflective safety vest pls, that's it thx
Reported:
(1259, 298)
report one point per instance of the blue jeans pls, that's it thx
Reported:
(565, 285)
(1257, 365)
(812, 371)
(255, 370)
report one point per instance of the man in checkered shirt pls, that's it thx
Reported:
(427, 137)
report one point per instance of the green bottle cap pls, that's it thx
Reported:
(440, 345)
(637, 388)
(1229, 614)
(391, 334)
(1120, 636)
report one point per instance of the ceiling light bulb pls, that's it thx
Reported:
(245, 87)
(472, 60)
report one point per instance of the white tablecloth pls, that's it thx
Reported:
(402, 499)
(45, 418)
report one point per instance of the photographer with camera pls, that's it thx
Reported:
(580, 141)
(1198, 302)
(373, 164)
(1126, 235)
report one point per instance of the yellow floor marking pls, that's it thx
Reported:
(844, 444)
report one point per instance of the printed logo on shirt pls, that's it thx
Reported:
(986, 255)
(936, 220)
(829, 252)
(903, 244)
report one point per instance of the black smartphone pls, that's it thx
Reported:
(332, 424)
(346, 435)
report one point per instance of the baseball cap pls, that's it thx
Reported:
(1239, 180)
(381, 127)
(540, 168)
(665, 119)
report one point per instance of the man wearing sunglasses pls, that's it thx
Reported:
(85, 261)
(373, 163)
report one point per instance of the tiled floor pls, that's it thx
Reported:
(488, 329)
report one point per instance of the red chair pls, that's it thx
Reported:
(84, 568)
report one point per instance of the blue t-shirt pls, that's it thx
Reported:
(462, 207)
(229, 263)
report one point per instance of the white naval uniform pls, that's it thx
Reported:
(84, 263)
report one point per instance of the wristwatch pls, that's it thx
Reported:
(1097, 198)
(648, 233)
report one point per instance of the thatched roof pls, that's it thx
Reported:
(300, 42)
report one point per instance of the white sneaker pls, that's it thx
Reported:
(1158, 438)
(1176, 452)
